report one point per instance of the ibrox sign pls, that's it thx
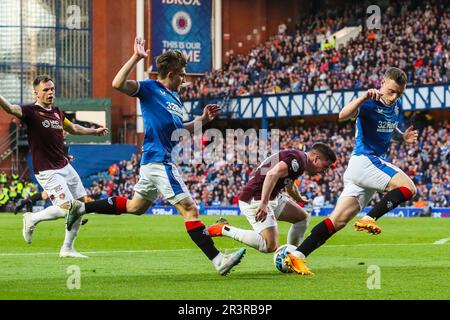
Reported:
(183, 2)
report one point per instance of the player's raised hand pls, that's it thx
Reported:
(139, 48)
(101, 131)
(210, 112)
(261, 213)
(373, 94)
(410, 135)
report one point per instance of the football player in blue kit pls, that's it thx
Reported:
(377, 113)
(162, 114)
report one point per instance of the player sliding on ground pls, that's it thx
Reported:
(162, 112)
(263, 204)
(45, 126)
(367, 172)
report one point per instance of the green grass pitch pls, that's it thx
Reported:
(152, 257)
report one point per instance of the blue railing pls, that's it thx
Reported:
(315, 103)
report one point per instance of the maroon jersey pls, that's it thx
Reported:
(296, 161)
(45, 137)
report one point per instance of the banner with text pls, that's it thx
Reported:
(183, 25)
(322, 212)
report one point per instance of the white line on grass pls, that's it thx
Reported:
(442, 241)
(229, 249)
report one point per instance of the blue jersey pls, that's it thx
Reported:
(162, 114)
(375, 126)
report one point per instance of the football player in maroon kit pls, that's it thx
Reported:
(263, 203)
(45, 125)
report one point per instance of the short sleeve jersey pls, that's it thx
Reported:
(45, 136)
(296, 161)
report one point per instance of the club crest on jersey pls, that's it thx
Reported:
(295, 165)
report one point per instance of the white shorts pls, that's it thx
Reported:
(274, 210)
(282, 199)
(62, 185)
(161, 178)
(366, 175)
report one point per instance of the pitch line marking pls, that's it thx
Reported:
(442, 241)
(178, 250)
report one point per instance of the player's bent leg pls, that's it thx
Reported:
(111, 206)
(270, 236)
(138, 205)
(31, 220)
(249, 237)
(196, 230)
(293, 213)
(345, 210)
(399, 190)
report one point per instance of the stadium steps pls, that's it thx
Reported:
(344, 35)
(6, 154)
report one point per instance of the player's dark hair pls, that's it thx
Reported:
(396, 74)
(325, 150)
(41, 78)
(170, 61)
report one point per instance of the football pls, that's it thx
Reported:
(280, 254)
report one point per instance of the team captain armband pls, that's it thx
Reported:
(67, 123)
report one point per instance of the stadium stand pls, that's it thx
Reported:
(414, 39)
(219, 184)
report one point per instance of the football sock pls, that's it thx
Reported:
(36, 197)
(50, 213)
(390, 201)
(200, 236)
(319, 234)
(24, 203)
(249, 237)
(112, 205)
(72, 235)
(297, 231)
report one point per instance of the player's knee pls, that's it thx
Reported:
(134, 209)
(190, 211)
(413, 190)
(269, 246)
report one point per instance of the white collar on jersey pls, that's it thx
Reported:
(49, 109)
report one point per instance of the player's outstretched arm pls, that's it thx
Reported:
(76, 129)
(121, 82)
(352, 109)
(12, 109)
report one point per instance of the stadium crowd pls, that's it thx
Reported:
(219, 183)
(412, 36)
